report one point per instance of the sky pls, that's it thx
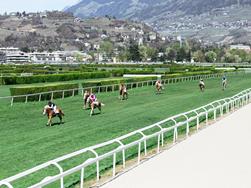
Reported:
(33, 5)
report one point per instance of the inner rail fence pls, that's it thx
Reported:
(170, 128)
(61, 94)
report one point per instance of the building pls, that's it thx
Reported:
(14, 55)
(17, 58)
(240, 47)
(53, 57)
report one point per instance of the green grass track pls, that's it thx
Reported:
(25, 141)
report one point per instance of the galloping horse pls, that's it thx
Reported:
(123, 92)
(202, 86)
(159, 87)
(96, 104)
(51, 114)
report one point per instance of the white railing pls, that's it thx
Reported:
(107, 88)
(184, 120)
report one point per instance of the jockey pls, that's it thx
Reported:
(202, 82)
(52, 106)
(93, 98)
(124, 89)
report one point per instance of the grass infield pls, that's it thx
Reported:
(25, 141)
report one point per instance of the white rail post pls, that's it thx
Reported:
(145, 148)
(6, 184)
(26, 98)
(114, 165)
(12, 101)
(63, 95)
(158, 149)
(40, 95)
(82, 178)
(73, 92)
(123, 156)
(198, 122)
(61, 171)
(139, 152)
(52, 96)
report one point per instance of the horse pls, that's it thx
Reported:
(202, 87)
(51, 114)
(159, 87)
(96, 104)
(123, 92)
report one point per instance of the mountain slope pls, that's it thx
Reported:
(142, 9)
(209, 20)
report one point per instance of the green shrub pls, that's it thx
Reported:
(15, 91)
(53, 78)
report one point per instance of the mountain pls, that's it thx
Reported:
(143, 9)
(57, 30)
(188, 18)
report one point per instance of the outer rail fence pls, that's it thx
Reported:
(106, 88)
(184, 121)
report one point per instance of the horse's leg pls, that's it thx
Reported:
(49, 121)
(92, 109)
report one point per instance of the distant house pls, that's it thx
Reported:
(96, 46)
(241, 47)
(14, 55)
(152, 36)
(17, 58)
(47, 57)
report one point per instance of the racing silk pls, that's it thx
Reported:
(202, 83)
(53, 107)
(93, 98)
(125, 90)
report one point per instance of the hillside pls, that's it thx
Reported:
(62, 31)
(177, 17)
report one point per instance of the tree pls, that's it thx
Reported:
(106, 47)
(134, 52)
(210, 56)
(171, 54)
(198, 56)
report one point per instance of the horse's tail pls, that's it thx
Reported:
(61, 112)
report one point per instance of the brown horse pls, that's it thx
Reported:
(159, 87)
(51, 114)
(202, 86)
(123, 94)
(94, 105)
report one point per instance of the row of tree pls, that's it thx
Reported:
(188, 51)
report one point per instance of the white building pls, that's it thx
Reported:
(17, 58)
(240, 47)
(47, 57)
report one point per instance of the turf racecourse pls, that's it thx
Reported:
(25, 141)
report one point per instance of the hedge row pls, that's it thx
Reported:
(15, 91)
(53, 78)
(114, 82)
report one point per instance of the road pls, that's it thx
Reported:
(216, 157)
